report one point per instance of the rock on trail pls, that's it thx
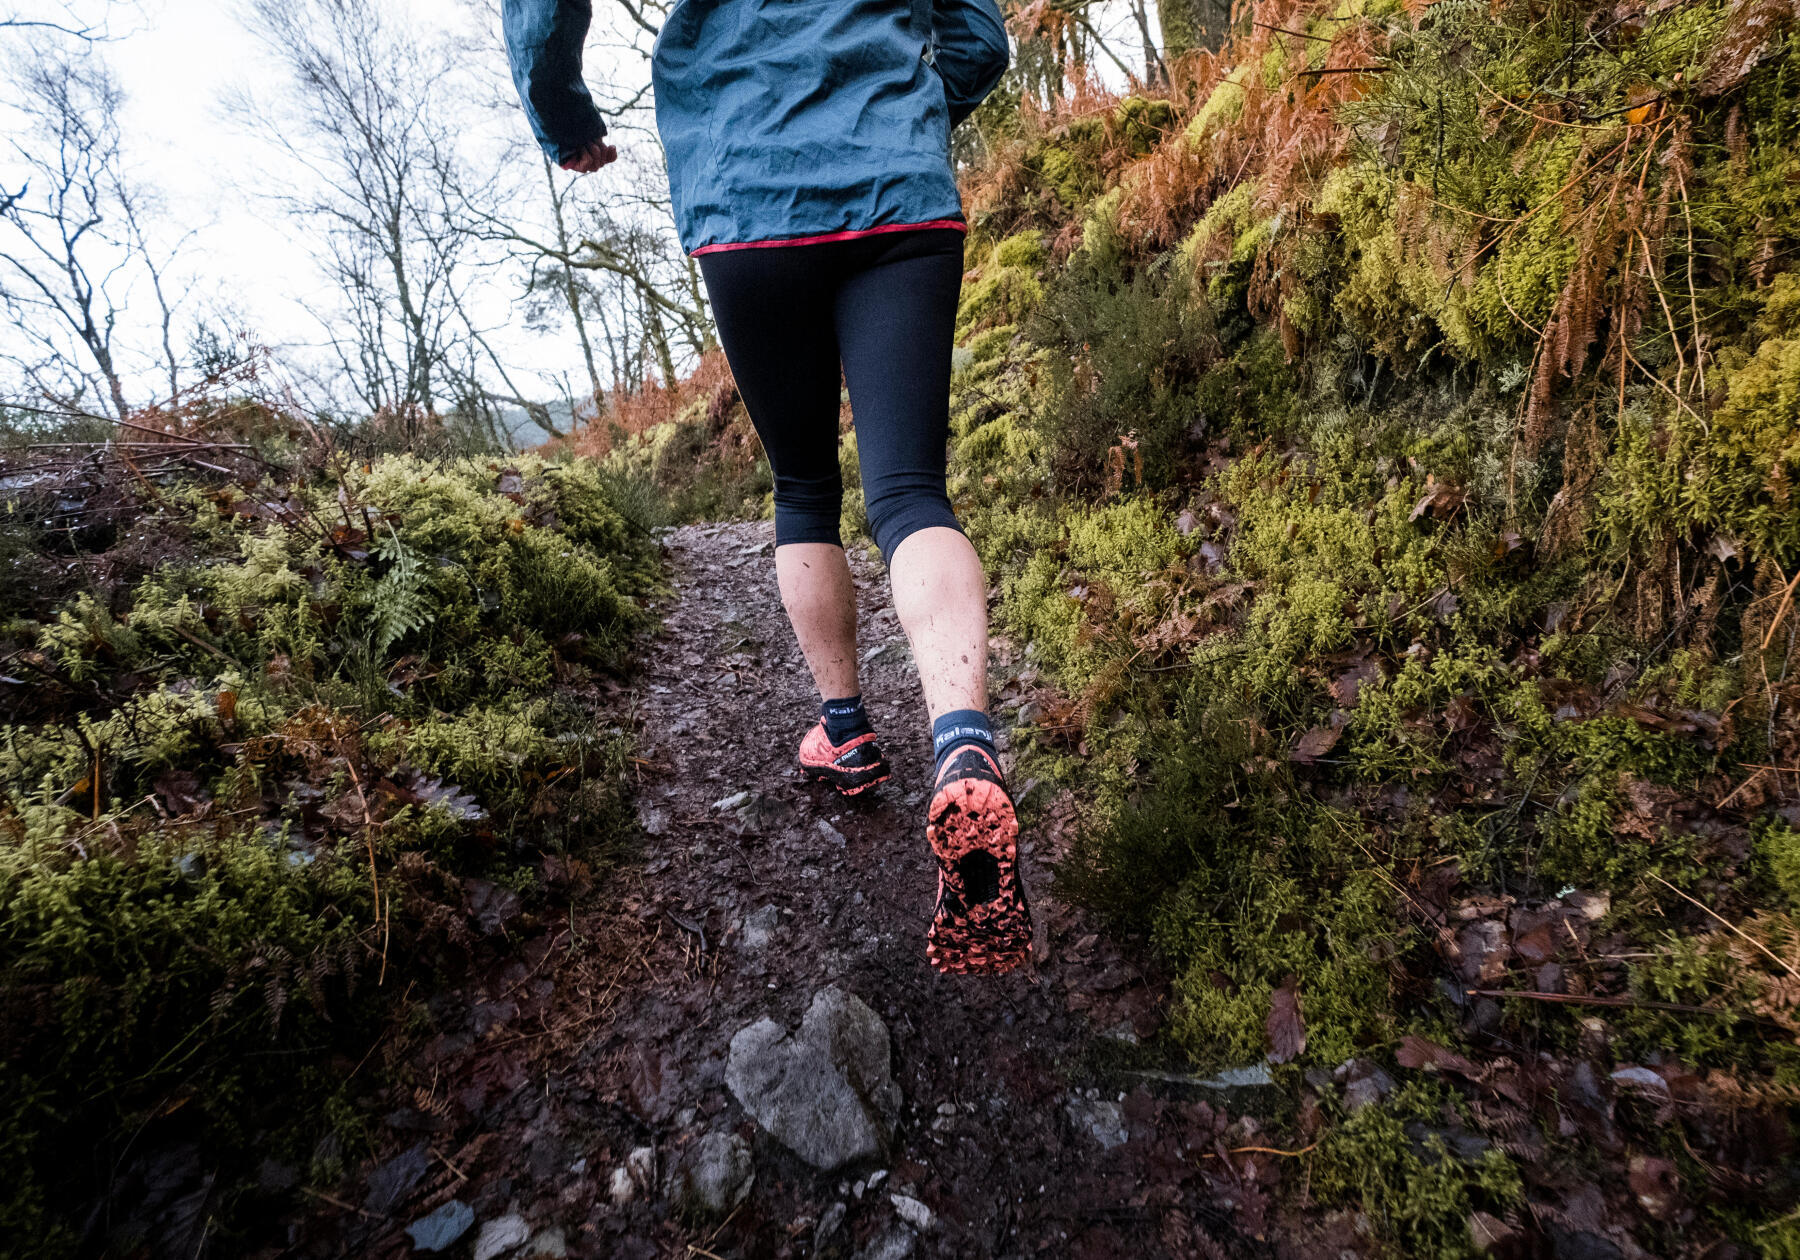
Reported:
(826, 1092)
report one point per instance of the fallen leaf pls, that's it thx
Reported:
(1287, 1029)
(1315, 744)
(1347, 686)
(1416, 1052)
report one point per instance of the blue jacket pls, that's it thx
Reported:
(783, 120)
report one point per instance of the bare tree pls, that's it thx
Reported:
(69, 248)
(55, 18)
(367, 131)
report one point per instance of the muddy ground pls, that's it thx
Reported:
(605, 1029)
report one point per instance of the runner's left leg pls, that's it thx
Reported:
(773, 308)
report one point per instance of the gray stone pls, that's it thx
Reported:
(1364, 1083)
(501, 1235)
(760, 927)
(551, 1242)
(831, 835)
(394, 1179)
(826, 1092)
(1104, 1122)
(640, 1165)
(913, 1212)
(439, 1230)
(830, 1221)
(712, 1176)
(896, 1244)
(1254, 1076)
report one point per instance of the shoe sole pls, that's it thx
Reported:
(968, 816)
(848, 782)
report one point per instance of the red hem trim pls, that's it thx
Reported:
(822, 238)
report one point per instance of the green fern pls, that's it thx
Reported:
(401, 605)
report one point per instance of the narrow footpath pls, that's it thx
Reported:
(734, 1047)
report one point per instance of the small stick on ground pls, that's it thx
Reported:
(1772, 956)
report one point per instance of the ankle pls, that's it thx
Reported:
(845, 719)
(962, 728)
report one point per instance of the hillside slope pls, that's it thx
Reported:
(1385, 439)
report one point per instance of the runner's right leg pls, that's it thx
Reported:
(896, 316)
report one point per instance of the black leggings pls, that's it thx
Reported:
(885, 305)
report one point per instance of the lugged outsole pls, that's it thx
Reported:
(837, 780)
(966, 816)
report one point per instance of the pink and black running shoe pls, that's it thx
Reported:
(851, 767)
(982, 921)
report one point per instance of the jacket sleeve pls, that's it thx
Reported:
(969, 38)
(543, 44)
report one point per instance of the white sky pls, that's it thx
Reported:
(176, 65)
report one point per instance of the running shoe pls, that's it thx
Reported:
(982, 922)
(852, 767)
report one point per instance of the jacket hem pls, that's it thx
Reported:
(823, 237)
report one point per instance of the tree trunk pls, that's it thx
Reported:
(1191, 24)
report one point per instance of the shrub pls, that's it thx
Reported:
(236, 819)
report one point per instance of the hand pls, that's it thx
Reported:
(591, 157)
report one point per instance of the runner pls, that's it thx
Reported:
(808, 148)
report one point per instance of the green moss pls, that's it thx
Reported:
(1778, 849)
(1223, 108)
(188, 826)
(1142, 123)
(1419, 1180)
(1107, 557)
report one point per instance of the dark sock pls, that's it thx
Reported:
(845, 719)
(960, 728)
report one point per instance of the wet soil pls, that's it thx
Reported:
(606, 1028)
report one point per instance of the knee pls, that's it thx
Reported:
(894, 518)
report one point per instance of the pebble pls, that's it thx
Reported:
(830, 1221)
(896, 1244)
(551, 1242)
(760, 927)
(1104, 1122)
(913, 1212)
(439, 1230)
(713, 1175)
(500, 1236)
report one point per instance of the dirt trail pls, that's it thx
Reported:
(609, 1030)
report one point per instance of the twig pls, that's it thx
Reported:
(1571, 999)
(1781, 610)
(1262, 1150)
(198, 642)
(338, 1203)
(1783, 1220)
(1674, 336)
(1772, 956)
(1301, 34)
